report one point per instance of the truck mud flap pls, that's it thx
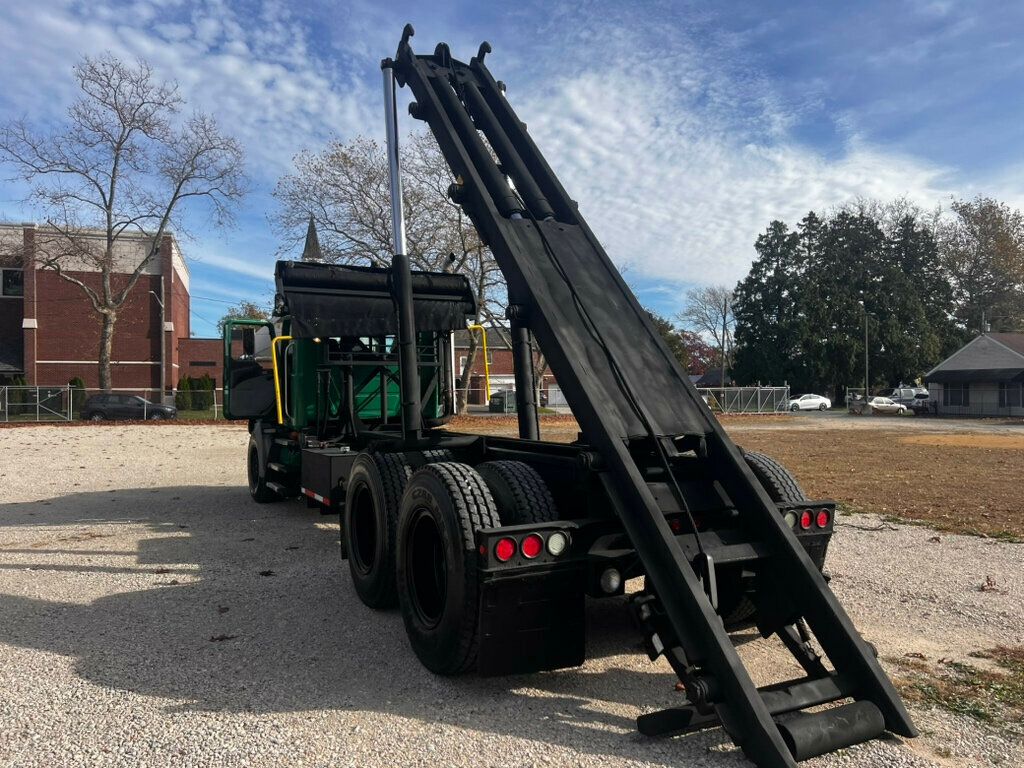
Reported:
(532, 622)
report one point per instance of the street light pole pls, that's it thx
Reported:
(866, 380)
(163, 342)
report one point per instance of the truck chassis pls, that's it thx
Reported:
(491, 545)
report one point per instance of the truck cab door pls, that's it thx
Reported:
(248, 375)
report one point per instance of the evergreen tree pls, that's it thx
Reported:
(183, 399)
(767, 337)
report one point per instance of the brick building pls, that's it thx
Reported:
(499, 358)
(50, 333)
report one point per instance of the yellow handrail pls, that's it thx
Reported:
(487, 366)
(277, 378)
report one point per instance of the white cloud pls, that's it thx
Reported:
(257, 75)
(677, 182)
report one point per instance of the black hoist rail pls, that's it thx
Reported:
(624, 386)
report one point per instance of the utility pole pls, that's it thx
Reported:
(866, 393)
(163, 341)
(725, 328)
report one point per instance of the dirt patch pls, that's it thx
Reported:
(961, 483)
(1014, 442)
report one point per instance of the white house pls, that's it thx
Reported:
(982, 378)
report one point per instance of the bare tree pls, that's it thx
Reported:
(981, 248)
(345, 188)
(708, 312)
(121, 166)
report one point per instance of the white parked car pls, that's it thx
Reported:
(810, 403)
(885, 405)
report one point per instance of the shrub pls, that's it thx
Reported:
(77, 395)
(183, 400)
(202, 393)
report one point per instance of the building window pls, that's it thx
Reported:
(956, 395)
(1009, 395)
(12, 283)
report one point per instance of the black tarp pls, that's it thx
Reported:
(971, 375)
(340, 300)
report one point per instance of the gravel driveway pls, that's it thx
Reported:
(151, 615)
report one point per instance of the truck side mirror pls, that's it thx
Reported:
(249, 341)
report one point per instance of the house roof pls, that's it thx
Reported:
(967, 375)
(712, 378)
(1014, 341)
(987, 357)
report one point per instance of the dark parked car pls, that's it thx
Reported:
(103, 407)
(502, 401)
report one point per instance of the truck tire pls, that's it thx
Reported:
(782, 487)
(372, 495)
(519, 492)
(737, 609)
(257, 475)
(444, 505)
(430, 456)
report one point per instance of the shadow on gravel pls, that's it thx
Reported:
(195, 622)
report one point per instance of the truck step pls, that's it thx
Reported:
(278, 488)
(286, 442)
(275, 466)
(779, 699)
(810, 734)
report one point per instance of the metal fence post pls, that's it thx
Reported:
(37, 403)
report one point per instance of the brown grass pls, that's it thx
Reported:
(990, 695)
(956, 484)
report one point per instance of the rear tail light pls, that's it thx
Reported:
(532, 546)
(790, 518)
(806, 519)
(505, 549)
(823, 518)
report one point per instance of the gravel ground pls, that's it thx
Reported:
(151, 615)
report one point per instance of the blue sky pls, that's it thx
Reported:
(682, 129)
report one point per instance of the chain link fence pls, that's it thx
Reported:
(745, 399)
(68, 403)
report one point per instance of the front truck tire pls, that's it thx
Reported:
(443, 507)
(257, 473)
(372, 496)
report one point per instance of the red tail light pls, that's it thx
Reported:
(532, 546)
(505, 549)
(823, 518)
(806, 519)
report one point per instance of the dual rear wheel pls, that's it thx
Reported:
(411, 540)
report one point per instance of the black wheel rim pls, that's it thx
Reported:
(427, 570)
(363, 530)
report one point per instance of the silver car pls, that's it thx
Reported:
(887, 406)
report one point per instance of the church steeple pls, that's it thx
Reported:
(311, 250)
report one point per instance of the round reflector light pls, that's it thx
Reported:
(611, 580)
(823, 518)
(505, 549)
(532, 546)
(558, 542)
(806, 519)
(790, 518)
